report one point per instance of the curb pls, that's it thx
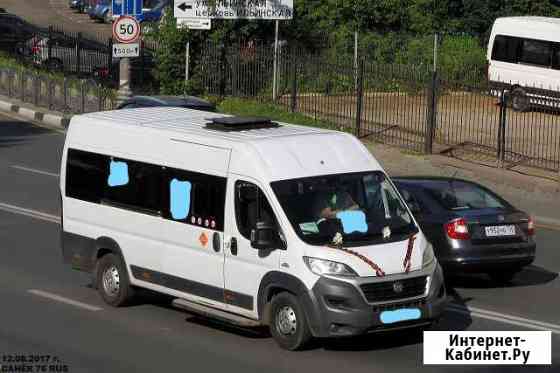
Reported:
(50, 119)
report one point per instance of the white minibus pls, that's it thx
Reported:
(246, 220)
(524, 59)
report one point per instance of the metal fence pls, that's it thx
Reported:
(84, 56)
(403, 105)
(64, 95)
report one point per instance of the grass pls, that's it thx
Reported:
(247, 107)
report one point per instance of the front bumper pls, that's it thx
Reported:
(337, 308)
(488, 258)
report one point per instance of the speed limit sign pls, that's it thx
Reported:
(126, 30)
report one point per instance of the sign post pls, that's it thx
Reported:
(275, 64)
(126, 34)
(241, 9)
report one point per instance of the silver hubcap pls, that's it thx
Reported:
(111, 280)
(286, 322)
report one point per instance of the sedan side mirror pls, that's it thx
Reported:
(266, 236)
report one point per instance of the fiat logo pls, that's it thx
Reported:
(398, 287)
(501, 218)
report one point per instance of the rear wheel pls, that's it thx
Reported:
(519, 100)
(112, 281)
(503, 277)
(54, 65)
(288, 324)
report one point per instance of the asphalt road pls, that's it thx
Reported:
(48, 309)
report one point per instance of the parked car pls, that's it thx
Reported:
(154, 13)
(14, 32)
(472, 228)
(101, 11)
(188, 102)
(245, 220)
(63, 54)
(75, 4)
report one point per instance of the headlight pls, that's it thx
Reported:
(428, 258)
(327, 267)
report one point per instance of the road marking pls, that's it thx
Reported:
(504, 318)
(34, 170)
(29, 212)
(58, 298)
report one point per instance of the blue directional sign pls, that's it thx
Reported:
(127, 8)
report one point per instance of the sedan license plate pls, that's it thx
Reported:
(500, 231)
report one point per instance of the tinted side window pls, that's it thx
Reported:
(556, 56)
(251, 206)
(86, 174)
(535, 52)
(505, 48)
(195, 198)
(133, 184)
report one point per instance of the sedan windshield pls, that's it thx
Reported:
(363, 207)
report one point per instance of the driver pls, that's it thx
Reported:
(330, 203)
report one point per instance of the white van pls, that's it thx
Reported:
(246, 220)
(524, 57)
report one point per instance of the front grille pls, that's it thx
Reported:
(385, 291)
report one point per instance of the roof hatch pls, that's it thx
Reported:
(229, 124)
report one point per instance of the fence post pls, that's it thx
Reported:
(502, 129)
(78, 53)
(432, 114)
(360, 97)
(22, 83)
(83, 96)
(49, 44)
(50, 90)
(294, 85)
(36, 89)
(65, 93)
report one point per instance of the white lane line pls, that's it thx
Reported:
(58, 298)
(29, 212)
(505, 318)
(34, 170)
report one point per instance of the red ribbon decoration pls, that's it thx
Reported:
(407, 262)
(378, 271)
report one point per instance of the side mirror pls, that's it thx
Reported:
(266, 236)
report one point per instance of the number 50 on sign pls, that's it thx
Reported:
(126, 30)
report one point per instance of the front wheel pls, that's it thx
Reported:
(288, 324)
(112, 281)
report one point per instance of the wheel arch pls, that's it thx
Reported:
(274, 283)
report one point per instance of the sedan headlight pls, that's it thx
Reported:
(428, 258)
(327, 267)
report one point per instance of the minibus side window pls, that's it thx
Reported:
(505, 49)
(194, 198)
(251, 206)
(556, 56)
(535, 52)
(141, 191)
(85, 174)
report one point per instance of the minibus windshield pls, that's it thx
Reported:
(363, 207)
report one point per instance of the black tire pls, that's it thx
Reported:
(288, 323)
(112, 281)
(503, 277)
(54, 65)
(519, 100)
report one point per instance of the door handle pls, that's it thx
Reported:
(233, 246)
(216, 242)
